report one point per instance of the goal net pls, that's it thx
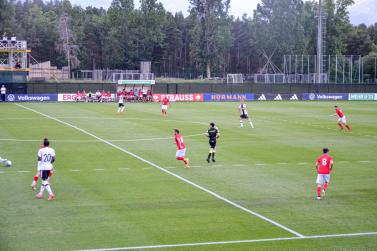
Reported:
(234, 79)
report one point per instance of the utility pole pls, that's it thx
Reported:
(65, 33)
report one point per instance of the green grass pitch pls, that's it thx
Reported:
(106, 198)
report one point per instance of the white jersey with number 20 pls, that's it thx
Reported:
(46, 154)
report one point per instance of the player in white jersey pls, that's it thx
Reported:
(3, 161)
(243, 114)
(46, 156)
(121, 103)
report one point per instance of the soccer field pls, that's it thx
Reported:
(119, 187)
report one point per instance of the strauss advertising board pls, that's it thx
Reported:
(192, 97)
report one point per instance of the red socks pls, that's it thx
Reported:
(36, 178)
(319, 191)
(340, 125)
(181, 158)
(325, 186)
(348, 127)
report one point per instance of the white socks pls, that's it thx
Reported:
(45, 185)
(48, 188)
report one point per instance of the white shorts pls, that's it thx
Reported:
(343, 120)
(181, 153)
(323, 178)
(164, 107)
(41, 168)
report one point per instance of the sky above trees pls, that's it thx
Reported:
(363, 11)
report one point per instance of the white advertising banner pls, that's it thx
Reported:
(72, 97)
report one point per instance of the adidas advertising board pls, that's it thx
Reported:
(277, 96)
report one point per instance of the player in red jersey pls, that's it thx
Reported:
(324, 166)
(342, 118)
(181, 152)
(164, 106)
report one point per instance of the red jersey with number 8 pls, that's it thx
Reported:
(339, 112)
(179, 141)
(324, 162)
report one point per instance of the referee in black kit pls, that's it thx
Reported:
(213, 134)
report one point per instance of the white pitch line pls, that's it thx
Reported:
(196, 166)
(23, 171)
(169, 172)
(231, 242)
(237, 165)
(74, 170)
(39, 140)
(123, 168)
(282, 163)
(94, 141)
(364, 161)
(302, 163)
(109, 118)
(260, 164)
(99, 169)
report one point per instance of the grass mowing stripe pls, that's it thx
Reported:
(233, 242)
(169, 172)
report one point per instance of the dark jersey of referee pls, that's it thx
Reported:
(212, 135)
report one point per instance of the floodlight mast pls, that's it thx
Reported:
(319, 43)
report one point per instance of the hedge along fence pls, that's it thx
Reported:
(265, 88)
(49, 88)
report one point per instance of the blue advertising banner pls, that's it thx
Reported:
(277, 96)
(228, 97)
(31, 97)
(325, 96)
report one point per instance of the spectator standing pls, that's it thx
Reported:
(98, 96)
(145, 92)
(3, 91)
(140, 95)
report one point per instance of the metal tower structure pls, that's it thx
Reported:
(14, 65)
(13, 54)
(321, 44)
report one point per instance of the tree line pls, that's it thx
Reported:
(208, 41)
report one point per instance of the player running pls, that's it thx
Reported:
(164, 106)
(121, 103)
(342, 118)
(324, 166)
(181, 152)
(244, 114)
(213, 134)
(46, 156)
